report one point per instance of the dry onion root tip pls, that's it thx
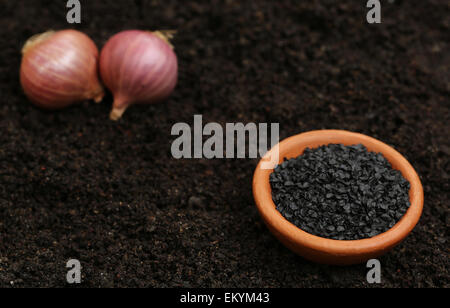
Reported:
(36, 40)
(100, 94)
(166, 35)
(117, 113)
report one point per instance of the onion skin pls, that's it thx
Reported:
(59, 69)
(139, 67)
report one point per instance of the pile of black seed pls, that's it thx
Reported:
(340, 192)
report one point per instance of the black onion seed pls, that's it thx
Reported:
(340, 192)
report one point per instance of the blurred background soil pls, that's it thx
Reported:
(74, 184)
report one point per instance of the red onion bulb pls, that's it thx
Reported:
(139, 67)
(60, 68)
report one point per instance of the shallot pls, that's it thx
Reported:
(60, 68)
(139, 67)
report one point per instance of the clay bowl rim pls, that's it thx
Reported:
(263, 195)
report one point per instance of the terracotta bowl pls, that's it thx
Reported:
(327, 251)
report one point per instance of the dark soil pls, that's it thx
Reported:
(74, 184)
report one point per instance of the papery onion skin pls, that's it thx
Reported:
(60, 68)
(139, 67)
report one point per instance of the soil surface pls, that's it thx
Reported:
(74, 184)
